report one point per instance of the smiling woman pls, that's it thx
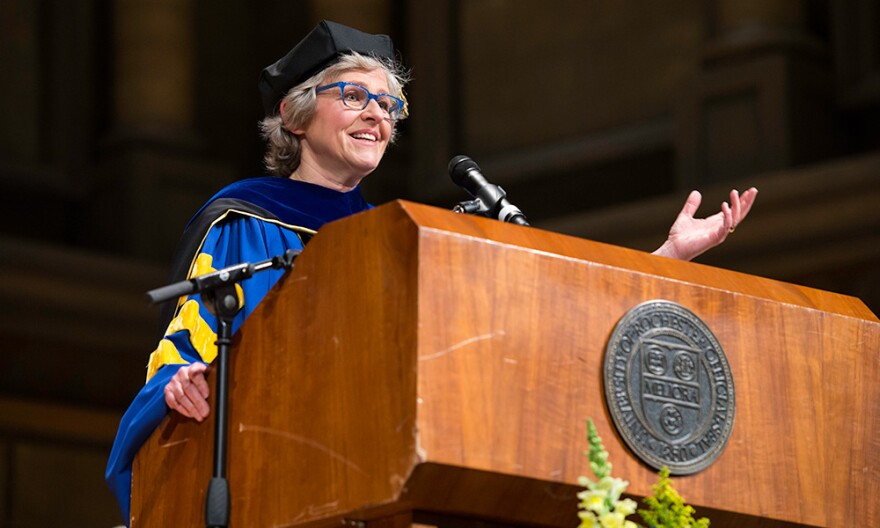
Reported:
(344, 143)
(285, 130)
(331, 107)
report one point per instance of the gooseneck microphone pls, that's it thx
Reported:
(489, 199)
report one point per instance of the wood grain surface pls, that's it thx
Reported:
(418, 360)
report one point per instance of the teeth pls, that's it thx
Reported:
(370, 137)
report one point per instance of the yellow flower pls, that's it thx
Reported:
(626, 507)
(594, 501)
(616, 486)
(588, 521)
(612, 520)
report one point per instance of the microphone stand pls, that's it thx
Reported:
(220, 297)
(479, 208)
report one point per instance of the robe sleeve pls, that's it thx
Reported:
(191, 335)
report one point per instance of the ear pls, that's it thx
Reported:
(281, 113)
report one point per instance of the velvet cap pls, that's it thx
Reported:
(327, 41)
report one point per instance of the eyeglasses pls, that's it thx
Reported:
(357, 97)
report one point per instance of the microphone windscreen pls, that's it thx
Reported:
(459, 167)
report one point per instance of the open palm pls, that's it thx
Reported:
(691, 236)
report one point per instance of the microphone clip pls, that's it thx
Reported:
(474, 207)
(507, 212)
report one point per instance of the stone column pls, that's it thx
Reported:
(371, 16)
(154, 171)
(154, 63)
(751, 19)
(763, 95)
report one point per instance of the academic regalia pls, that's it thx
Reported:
(249, 221)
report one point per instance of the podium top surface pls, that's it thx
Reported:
(601, 254)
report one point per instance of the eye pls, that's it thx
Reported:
(353, 94)
(389, 104)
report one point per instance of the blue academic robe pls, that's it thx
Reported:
(248, 221)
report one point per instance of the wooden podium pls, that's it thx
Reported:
(423, 366)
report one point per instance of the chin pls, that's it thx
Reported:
(367, 166)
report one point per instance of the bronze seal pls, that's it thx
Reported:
(669, 388)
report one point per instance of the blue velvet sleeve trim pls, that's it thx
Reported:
(143, 416)
(242, 239)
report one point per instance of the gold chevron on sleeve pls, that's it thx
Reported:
(165, 354)
(201, 335)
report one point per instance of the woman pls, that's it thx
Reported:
(331, 105)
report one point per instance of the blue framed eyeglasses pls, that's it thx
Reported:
(357, 97)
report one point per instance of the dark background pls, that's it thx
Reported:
(119, 118)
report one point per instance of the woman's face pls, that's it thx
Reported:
(346, 144)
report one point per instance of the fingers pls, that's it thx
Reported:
(735, 207)
(198, 401)
(187, 392)
(746, 201)
(177, 402)
(691, 204)
(197, 376)
(727, 222)
(742, 204)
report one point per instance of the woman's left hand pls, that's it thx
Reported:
(691, 236)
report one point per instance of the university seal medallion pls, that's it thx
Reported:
(669, 388)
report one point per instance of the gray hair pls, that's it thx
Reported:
(283, 146)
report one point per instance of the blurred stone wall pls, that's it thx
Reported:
(120, 117)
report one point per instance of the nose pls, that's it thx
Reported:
(373, 111)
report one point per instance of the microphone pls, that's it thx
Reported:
(489, 199)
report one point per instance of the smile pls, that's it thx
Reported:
(369, 136)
